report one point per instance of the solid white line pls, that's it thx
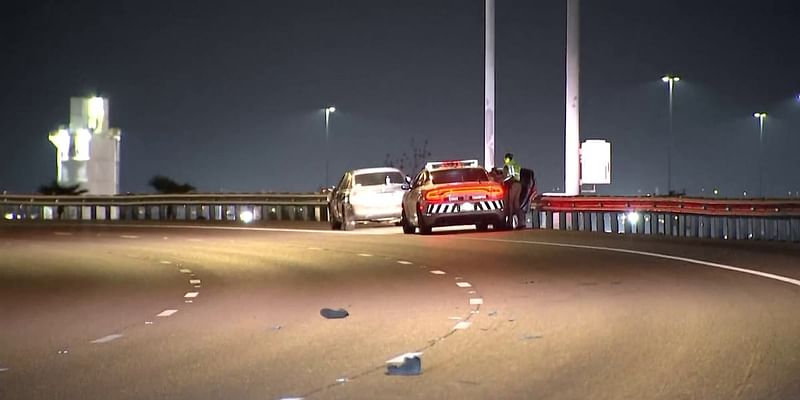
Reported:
(767, 275)
(437, 272)
(242, 228)
(106, 339)
(166, 313)
(475, 301)
(191, 295)
(463, 284)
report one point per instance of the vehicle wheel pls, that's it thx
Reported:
(424, 229)
(482, 227)
(348, 224)
(407, 227)
(335, 224)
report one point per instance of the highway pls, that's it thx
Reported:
(167, 312)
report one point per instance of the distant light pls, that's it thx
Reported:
(760, 115)
(9, 216)
(665, 79)
(330, 109)
(668, 79)
(745, 194)
(246, 216)
(633, 217)
(716, 192)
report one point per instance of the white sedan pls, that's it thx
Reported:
(367, 195)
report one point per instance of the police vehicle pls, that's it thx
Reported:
(364, 195)
(452, 193)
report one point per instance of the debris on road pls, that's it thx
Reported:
(405, 364)
(492, 313)
(334, 314)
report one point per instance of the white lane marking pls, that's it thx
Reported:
(463, 284)
(185, 271)
(475, 301)
(3, 369)
(364, 255)
(767, 275)
(108, 338)
(165, 262)
(292, 398)
(404, 262)
(315, 248)
(166, 313)
(148, 322)
(62, 233)
(191, 295)
(472, 292)
(454, 318)
(437, 272)
(194, 281)
(402, 358)
(188, 301)
(462, 325)
(237, 228)
(129, 236)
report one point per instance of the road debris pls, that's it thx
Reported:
(406, 364)
(334, 314)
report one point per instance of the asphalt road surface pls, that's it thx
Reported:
(176, 313)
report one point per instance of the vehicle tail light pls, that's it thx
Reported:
(491, 192)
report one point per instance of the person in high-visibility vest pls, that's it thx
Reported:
(513, 187)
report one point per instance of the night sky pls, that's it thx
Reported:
(227, 95)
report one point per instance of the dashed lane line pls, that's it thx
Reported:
(191, 295)
(107, 338)
(463, 284)
(438, 272)
(129, 236)
(166, 313)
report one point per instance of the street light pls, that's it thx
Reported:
(671, 81)
(761, 116)
(328, 111)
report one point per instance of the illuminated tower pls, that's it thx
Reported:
(87, 151)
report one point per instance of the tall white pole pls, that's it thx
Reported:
(572, 143)
(488, 112)
(327, 152)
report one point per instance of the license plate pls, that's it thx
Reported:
(467, 207)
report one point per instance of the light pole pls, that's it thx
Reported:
(670, 81)
(328, 111)
(761, 116)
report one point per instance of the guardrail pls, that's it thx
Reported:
(249, 207)
(777, 220)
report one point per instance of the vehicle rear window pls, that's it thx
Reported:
(459, 175)
(378, 178)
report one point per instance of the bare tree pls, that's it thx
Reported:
(410, 163)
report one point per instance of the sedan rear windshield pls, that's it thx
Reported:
(379, 178)
(459, 175)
